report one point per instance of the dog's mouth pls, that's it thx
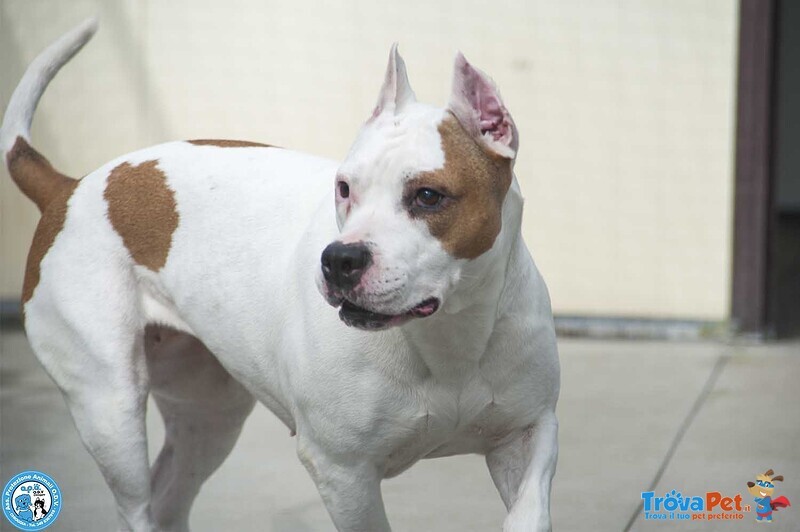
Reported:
(362, 318)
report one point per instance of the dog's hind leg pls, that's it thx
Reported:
(98, 363)
(203, 408)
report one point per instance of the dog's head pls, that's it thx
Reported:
(23, 502)
(419, 196)
(764, 485)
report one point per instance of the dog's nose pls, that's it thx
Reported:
(344, 264)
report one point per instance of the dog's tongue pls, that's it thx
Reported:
(425, 309)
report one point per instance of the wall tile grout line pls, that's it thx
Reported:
(716, 371)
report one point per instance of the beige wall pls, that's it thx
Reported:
(625, 111)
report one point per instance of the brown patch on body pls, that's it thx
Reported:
(475, 182)
(142, 209)
(50, 225)
(34, 175)
(221, 143)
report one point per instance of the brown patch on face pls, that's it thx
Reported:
(50, 225)
(142, 210)
(229, 143)
(34, 174)
(475, 182)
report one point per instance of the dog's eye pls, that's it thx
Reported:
(344, 189)
(427, 197)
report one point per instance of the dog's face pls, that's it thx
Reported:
(419, 196)
(23, 502)
(764, 485)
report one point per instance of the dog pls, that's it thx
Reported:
(762, 490)
(23, 509)
(385, 308)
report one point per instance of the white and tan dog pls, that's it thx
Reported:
(188, 270)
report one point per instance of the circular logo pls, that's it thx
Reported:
(31, 500)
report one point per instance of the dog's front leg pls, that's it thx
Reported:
(522, 470)
(349, 485)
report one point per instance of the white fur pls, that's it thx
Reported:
(479, 376)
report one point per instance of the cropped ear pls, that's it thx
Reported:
(396, 91)
(477, 105)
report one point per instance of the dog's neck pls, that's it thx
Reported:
(459, 333)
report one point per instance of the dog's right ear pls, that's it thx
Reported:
(396, 91)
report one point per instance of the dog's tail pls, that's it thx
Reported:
(32, 173)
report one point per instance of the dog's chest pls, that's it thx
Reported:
(451, 421)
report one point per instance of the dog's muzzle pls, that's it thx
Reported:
(343, 266)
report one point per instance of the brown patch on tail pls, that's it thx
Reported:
(50, 190)
(142, 209)
(35, 176)
(228, 143)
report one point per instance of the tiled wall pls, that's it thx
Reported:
(625, 111)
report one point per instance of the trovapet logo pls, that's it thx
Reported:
(716, 506)
(711, 506)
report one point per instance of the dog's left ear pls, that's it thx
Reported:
(476, 103)
(396, 91)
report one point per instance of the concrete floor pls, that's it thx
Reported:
(635, 416)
